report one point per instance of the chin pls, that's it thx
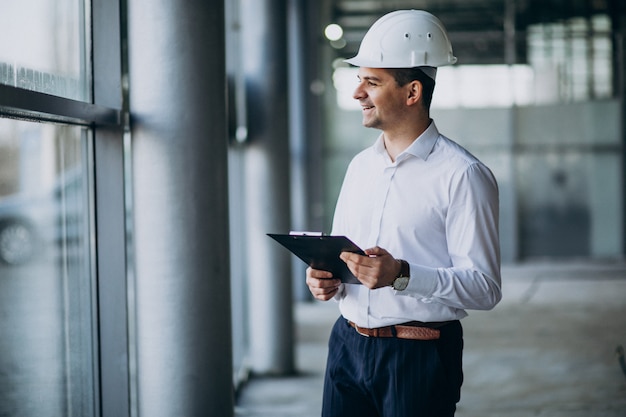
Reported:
(372, 124)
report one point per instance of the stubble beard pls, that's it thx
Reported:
(373, 122)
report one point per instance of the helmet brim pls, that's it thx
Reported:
(429, 71)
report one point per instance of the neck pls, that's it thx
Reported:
(397, 140)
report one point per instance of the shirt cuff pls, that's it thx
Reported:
(341, 292)
(423, 281)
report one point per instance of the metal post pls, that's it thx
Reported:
(622, 92)
(510, 36)
(182, 288)
(617, 12)
(298, 138)
(264, 40)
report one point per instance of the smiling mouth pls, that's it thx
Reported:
(367, 107)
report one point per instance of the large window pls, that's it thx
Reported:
(48, 47)
(57, 341)
(46, 284)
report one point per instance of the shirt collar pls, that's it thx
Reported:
(421, 147)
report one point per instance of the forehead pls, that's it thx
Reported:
(381, 74)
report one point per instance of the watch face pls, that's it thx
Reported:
(400, 283)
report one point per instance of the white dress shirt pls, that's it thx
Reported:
(436, 207)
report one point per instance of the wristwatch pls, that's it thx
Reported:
(402, 280)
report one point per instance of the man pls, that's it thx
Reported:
(428, 212)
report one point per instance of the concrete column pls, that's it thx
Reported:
(264, 41)
(298, 137)
(182, 286)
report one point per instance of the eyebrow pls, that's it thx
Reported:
(368, 78)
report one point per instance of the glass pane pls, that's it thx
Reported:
(46, 284)
(48, 45)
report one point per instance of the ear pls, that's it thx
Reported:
(414, 90)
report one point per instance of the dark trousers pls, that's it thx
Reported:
(389, 377)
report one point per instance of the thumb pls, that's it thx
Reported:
(375, 251)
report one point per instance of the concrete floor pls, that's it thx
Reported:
(548, 349)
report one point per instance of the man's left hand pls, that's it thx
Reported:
(375, 270)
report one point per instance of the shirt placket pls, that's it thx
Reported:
(380, 194)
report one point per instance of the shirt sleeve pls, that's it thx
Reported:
(473, 280)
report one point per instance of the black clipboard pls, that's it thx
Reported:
(321, 252)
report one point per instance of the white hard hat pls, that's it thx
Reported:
(405, 39)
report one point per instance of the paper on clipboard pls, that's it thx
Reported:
(321, 252)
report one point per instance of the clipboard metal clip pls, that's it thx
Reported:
(297, 233)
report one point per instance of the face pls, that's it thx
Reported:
(382, 101)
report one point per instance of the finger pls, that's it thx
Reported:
(362, 265)
(324, 296)
(318, 273)
(323, 293)
(348, 256)
(376, 251)
(323, 283)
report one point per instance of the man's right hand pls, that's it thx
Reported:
(322, 284)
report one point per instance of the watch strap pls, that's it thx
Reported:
(404, 269)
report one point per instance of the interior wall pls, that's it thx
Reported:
(558, 169)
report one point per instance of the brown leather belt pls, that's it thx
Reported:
(400, 331)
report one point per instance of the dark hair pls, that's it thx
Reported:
(404, 76)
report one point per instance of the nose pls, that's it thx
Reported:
(358, 93)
